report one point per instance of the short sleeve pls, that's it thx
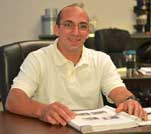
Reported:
(110, 78)
(29, 75)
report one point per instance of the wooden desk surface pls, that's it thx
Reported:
(15, 124)
(137, 77)
(137, 82)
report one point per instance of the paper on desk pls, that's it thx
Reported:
(145, 70)
(142, 123)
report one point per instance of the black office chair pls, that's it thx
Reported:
(11, 57)
(113, 41)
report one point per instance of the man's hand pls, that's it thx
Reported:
(132, 107)
(56, 113)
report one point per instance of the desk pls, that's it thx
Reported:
(15, 124)
(141, 86)
(137, 82)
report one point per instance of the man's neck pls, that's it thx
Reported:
(73, 56)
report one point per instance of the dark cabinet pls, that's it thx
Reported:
(140, 86)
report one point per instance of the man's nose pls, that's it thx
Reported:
(75, 29)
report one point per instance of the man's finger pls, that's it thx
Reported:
(58, 118)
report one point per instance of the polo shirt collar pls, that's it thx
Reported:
(60, 60)
(84, 58)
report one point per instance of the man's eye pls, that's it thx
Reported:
(68, 25)
(83, 26)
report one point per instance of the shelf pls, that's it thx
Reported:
(47, 37)
(141, 35)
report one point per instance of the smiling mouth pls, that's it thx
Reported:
(74, 39)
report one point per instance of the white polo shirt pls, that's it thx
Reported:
(47, 76)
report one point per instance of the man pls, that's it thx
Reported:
(55, 80)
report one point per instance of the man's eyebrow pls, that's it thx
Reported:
(83, 22)
(68, 21)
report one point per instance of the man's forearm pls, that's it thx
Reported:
(18, 102)
(119, 95)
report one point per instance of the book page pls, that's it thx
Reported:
(105, 116)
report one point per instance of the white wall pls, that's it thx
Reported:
(20, 19)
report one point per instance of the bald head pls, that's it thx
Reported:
(67, 9)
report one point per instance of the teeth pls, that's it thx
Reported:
(75, 39)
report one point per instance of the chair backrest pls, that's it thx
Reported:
(144, 54)
(90, 43)
(113, 41)
(11, 57)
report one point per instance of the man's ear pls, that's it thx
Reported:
(56, 30)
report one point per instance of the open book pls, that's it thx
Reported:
(105, 119)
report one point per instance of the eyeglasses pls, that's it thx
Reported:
(69, 25)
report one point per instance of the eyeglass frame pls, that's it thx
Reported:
(73, 25)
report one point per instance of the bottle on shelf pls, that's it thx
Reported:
(130, 58)
(48, 20)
